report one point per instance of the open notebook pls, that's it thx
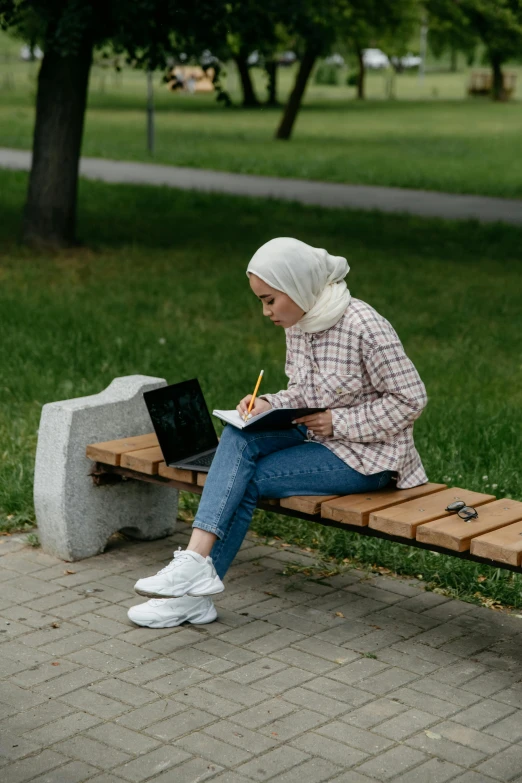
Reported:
(274, 419)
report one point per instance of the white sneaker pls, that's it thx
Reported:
(187, 574)
(168, 612)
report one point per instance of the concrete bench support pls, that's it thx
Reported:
(75, 517)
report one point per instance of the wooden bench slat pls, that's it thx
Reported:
(403, 520)
(306, 504)
(503, 545)
(356, 509)
(110, 451)
(456, 534)
(496, 535)
(178, 474)
(143, 460)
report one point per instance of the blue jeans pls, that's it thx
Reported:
(274, 464)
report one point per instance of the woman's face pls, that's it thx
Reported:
(277, 306)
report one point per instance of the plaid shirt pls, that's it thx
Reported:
(358, 369)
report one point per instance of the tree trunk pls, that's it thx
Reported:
(271, 69)
(32, 46)
(50, 210)
(497, 92)
(249, 96)
(454, 61)
(360, 75)
(390, 84)
(294, 101)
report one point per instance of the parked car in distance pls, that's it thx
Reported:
(375, 59)
(257, 58)
(25, 53)
(408, 61)
(286, 58)
(335, 59)
(254, 58)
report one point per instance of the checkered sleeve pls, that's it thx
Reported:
(292, 397)
(402, 398)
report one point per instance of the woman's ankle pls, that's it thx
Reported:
(201, 542)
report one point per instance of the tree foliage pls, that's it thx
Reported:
(496, 23)
(145, 30)
(386, 24)
(251, 27)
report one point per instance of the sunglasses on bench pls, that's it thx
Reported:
(465, 512)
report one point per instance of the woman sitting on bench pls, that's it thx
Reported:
(340, 354)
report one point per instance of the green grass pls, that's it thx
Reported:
(162, 291)
(432, 138)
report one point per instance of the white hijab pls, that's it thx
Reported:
(310, 276)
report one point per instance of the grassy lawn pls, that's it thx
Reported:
(432, 138)
(162, 291)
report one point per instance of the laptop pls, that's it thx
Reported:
(183, 425)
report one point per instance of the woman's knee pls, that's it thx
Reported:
(228, 432)
(244, 442)
(231, 435)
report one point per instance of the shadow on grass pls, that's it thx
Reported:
(200, 105)
(163, 217)
(160, 217)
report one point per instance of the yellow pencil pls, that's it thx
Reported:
(246, 415)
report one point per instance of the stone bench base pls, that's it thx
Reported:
(76, 518)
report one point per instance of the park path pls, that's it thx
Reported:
(322, 194)
(349, 679)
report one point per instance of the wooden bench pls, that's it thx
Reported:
(416, 516)
(481, 83)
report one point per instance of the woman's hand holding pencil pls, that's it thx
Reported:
(250, 406)
(260, 406)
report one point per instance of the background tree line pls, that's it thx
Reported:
(147, 32)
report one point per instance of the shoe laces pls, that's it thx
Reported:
(180, 557)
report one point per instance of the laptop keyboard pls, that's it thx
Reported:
(206, 461)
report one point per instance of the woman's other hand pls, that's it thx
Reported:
(259, 406)
(319, 423)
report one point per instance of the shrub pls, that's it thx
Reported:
(327, 74)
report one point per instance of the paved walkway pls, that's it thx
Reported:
(351, 680)
(322, 194)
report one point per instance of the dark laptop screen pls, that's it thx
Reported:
(181, 419)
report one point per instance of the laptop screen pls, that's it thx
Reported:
(181, 419)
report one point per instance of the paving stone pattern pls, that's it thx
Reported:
(350, 679)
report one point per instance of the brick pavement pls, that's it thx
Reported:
(349, 679)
